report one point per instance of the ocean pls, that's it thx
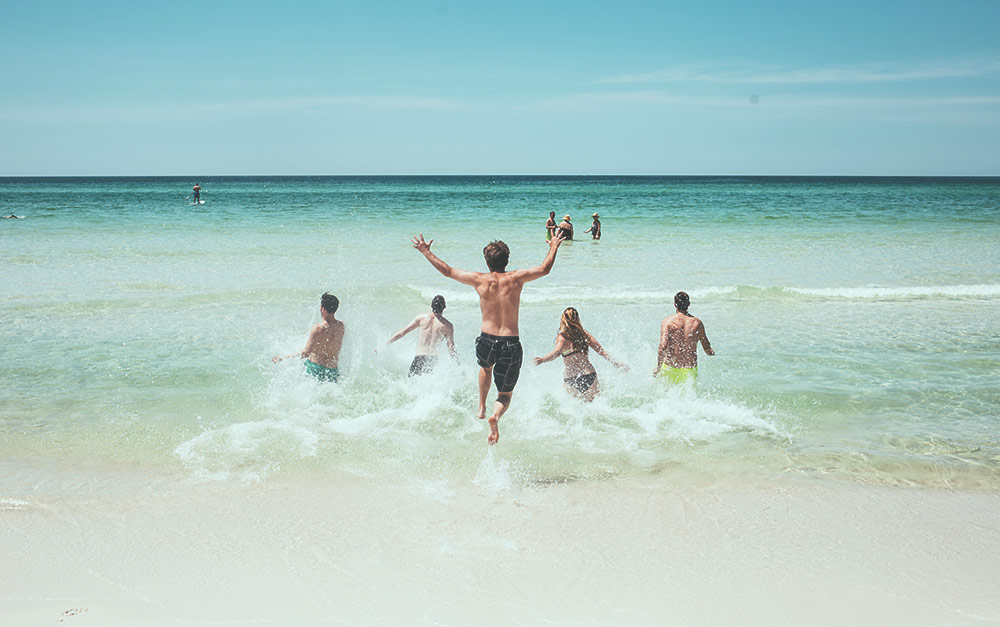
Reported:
(836, 463)
(856, 323)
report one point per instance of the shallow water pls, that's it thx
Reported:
(856, 321)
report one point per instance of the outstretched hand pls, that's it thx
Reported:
(420, 244)
(557, 239)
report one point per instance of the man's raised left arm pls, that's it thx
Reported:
(462, 276)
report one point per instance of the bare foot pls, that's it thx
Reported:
(494, 432)
(481, 412)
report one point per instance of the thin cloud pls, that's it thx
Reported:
(238, 107)
(590, 100)
(869, 73)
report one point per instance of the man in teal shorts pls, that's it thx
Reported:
(322, 351)
(677, 357)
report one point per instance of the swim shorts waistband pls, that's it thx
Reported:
(499, 337)
(678, 375)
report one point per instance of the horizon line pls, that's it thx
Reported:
(537, 175)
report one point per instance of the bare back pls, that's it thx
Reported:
(323, 345)
(500, 301)
(679, 338)
(431, 329)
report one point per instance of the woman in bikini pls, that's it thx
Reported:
(574, 343)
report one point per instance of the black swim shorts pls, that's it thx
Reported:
(504, 355)
(422, 364)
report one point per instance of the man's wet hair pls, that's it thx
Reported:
(497, 255)
(437, 304)
(682, 301)
(329, 303)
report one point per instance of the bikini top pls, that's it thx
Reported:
(573, 350)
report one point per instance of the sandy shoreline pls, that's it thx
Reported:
(641, 551)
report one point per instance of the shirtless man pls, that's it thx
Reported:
(322, 351)
(677, 358)
(196, 191)
(498, 349)
(433, 328)
(550, 226)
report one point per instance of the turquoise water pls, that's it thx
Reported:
(856, 321)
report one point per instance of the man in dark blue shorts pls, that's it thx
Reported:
(498, 348)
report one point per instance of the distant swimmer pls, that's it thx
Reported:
(433, 327)
(498, 347)
(677, 358)
(573, 343)
(12, 217)
(322, 351)
(595, 229)
(550, 226)
(566, 227)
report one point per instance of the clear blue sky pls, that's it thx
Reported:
(444, 87)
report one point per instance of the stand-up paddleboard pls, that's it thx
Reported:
(200, 202)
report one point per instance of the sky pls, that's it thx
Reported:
(443, 87)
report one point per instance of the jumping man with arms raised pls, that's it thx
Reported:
(498, 348)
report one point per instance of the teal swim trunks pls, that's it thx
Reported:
(324, 374)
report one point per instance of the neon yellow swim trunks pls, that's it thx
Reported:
(324, 374)
(678, 375)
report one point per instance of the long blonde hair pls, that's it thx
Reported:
(571, 329)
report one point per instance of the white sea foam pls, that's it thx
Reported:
(564, 294)
(873, 291)
(547, 294)
(249, 450)
(385, 423)
(495, 476)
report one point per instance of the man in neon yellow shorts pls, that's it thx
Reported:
(322, 351)
(677, 357)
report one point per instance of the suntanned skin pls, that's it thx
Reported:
(579, 363)
(323, 346)
(433, 327)
(499, 304)
(550, 224)
(679, 338)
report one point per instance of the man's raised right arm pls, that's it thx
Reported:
(462, 276)
(530, 274)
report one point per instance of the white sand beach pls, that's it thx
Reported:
(646, 551)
